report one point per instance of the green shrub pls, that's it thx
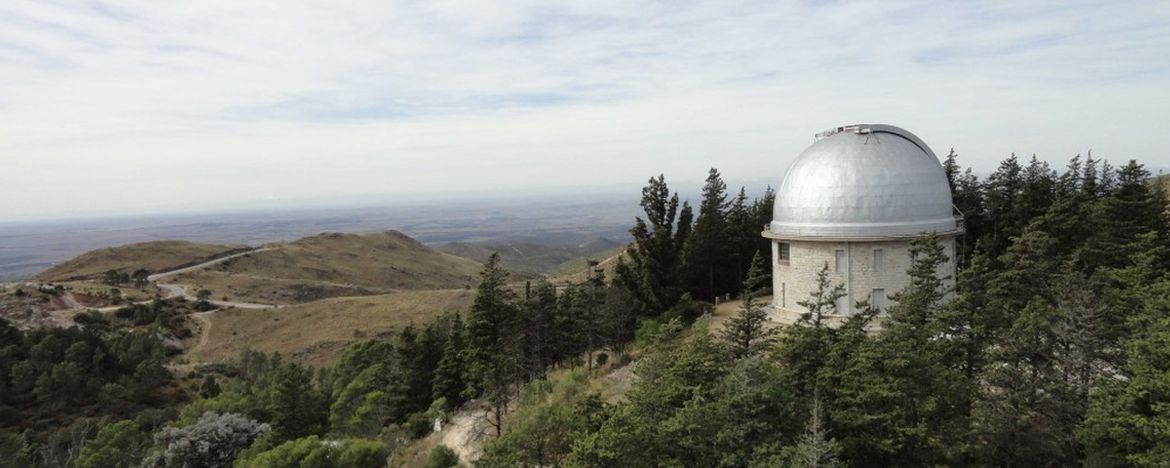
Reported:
(442, 457)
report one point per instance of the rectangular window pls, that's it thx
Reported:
(878, 300)
(842, 305)
(783, 295)
(783, 253)
(839, 261)
(878, 259)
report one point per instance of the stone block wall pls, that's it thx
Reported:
(796, 279)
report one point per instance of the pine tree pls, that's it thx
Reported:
(899, 404)
(652, 271)
(822, 301)
(762, 215)
(1039, 187)
(1003, 193)
(804, 348)
(747, 332)
(297, 409)
(1128, 423)
(492, 352)
(449, 381)
(707, 246)
(951, 169)
(1133, 208)
(1036, 389)
(742, 237)
(541, 336)
(816, 449)
(968, 199)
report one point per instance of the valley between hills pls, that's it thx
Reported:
(307, 299)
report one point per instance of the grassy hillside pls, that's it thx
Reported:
(577, 269)
(153, 256)
(525, 259)
(316, 333)
(332, 265)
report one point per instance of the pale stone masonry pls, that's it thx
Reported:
(853, 201)
(794, 281)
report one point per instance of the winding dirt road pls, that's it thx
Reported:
(199, 266)
(173, 290)
(178, 290)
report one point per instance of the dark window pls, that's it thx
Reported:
(784, 253)
(878, 300)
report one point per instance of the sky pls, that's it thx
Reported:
(149, 106)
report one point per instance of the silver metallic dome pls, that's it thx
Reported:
(864, 181)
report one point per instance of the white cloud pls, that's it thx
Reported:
(130, 104)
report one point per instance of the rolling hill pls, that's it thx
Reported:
(332, 265)
(526, 259)
(316, 333)
(154, 256)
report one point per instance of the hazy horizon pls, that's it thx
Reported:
(132, 108)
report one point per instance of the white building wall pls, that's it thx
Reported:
(796, 279)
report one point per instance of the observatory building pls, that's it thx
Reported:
(853, 201)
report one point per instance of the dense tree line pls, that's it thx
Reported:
(265, 411)
(676, 252)
(54, 383)
(1052, 350)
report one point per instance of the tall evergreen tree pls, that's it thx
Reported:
(747, 332)
(492, 353)
(1003, 193)
(652, 272)
(762, 214)
(804, 348)
(951, 169)
(1133, 208)
(742, 237)
(1128, 419)
(898, 404)
(450, 373)
(707, 247)
(541, 335)
(968, 198)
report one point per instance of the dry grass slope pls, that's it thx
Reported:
(526, 259)
(317, 333)
(333, 265)
(153, 256)
(577, 269)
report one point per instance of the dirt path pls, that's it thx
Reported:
(205, 331)
(70, 301)
(171, 291)
(464, 434)
(178, 290)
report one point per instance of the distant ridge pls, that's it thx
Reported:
(332, 265)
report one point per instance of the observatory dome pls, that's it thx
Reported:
(864, 182)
